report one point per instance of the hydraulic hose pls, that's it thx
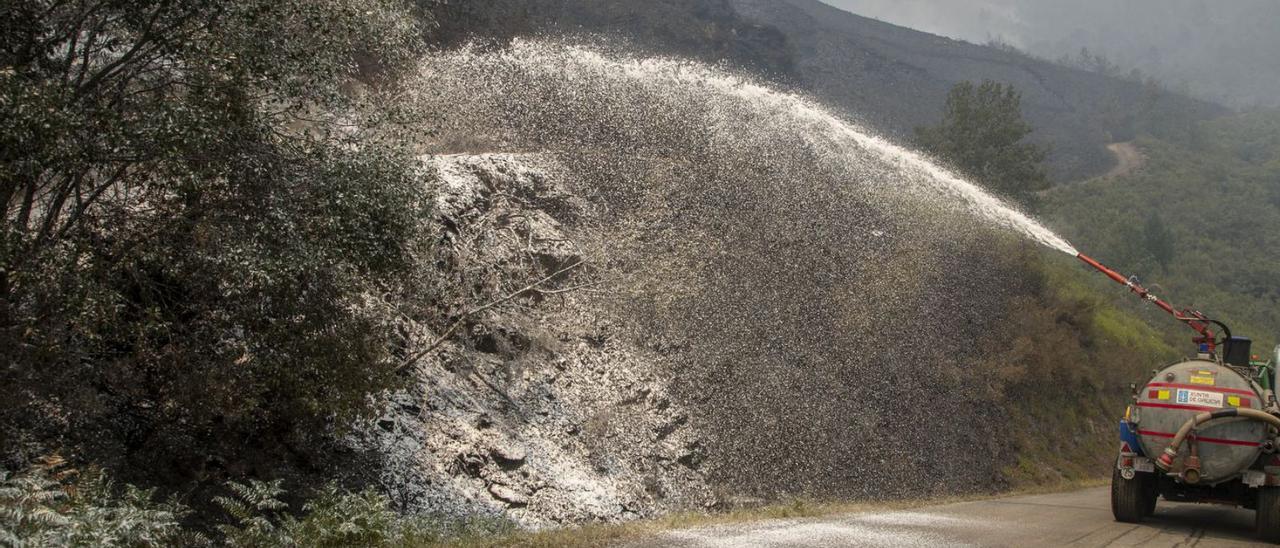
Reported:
(1166, 460)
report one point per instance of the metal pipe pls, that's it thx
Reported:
(1191, 468)
(1195, 320)
(1118, 277)
(1165, 462)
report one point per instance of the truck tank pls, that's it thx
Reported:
(1180, 391)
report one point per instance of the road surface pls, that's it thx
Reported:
(1078, 518)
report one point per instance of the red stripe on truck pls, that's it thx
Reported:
(1201, 438)
(1203, 388)
(1177, 406)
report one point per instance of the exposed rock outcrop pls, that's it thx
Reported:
(538, 410)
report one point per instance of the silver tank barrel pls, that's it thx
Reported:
(1179, 392)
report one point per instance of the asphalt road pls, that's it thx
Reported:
(1078, 518)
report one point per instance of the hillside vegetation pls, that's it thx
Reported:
(709, 30)
(204, 230)
(1201, 221)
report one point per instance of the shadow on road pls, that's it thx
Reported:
(1201, 522)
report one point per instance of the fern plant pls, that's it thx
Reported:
(101, 515)
(337, 518)
(51, 504)
(334, 518)
(30, 504)
(256, 510)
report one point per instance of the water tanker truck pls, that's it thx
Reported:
(1204, 429)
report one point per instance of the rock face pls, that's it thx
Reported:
(629, 386)
(537, 410)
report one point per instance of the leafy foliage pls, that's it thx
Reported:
(43, 506)
(255, 509)
(332, 518)
(51, 505)
(208, 206)
(982, 133)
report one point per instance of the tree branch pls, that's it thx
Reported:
(411, 360)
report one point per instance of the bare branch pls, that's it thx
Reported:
(82, 205)
(564, 290)
(411, 360)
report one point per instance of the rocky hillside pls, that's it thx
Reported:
(622, 389)
(540, 410)
(642, 313)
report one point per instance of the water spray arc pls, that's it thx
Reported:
(537, 87)
(759, 240)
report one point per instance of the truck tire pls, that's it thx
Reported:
(1268, 516)
(1132, 499)
(1153, 494)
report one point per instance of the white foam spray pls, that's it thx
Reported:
(911, 173)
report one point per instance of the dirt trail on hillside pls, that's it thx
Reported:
(1128, 159)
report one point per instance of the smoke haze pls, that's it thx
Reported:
(1221, 51)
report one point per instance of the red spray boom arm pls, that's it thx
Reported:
(1194, 319)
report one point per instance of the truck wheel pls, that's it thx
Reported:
(1268, 516)
(1152, 493)
(1132, 499)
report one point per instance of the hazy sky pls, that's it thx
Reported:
(1226, 50)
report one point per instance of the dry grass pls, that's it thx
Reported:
(614, 533)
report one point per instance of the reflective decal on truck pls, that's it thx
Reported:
(1199, 397)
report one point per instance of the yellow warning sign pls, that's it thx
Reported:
(1207, 381)
(1234, 400)
(1162, 395)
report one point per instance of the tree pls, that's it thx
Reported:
(207, 206)
(981, 135)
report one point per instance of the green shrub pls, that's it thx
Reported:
(204, 226)
(50, 504)
(41, 506)
(1063, 370)
(336, 518)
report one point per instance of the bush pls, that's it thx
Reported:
(1061, 371)
(337, 518)
(209, 206)
(43, 507)
(50, 504)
